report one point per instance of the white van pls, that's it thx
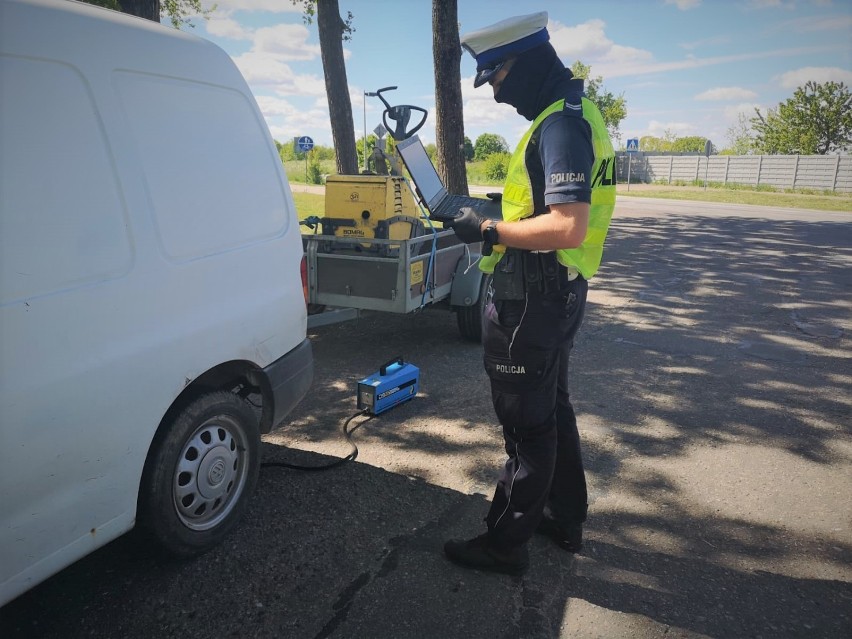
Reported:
(152, 311)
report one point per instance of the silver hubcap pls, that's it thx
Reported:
(211, 473)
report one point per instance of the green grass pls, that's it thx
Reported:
(314, 204)
(763, 195)
(308, 204)
(476, 175)
(295, 170)
(742, 195)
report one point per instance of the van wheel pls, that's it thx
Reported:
(200, 474)
(469, 318)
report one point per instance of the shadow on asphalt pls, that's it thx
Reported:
(753, 312)
(363, 560)
(727, 331)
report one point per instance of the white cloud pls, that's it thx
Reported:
(266, 64)
(273, 6)
(771, 4)
(486, 112)
(715, 41)
(799, 77)
(659, 129)
(588, 42)
(225, 27)
(482, 114)
(635, 67)
(275, 107)
(726, 93)
(287, 121)
(816, 24)
(732, 112)
(685, 5)
(286, 42)
(263, 70)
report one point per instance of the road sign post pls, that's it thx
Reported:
(305, 144)
(632, 147)
(708, 148)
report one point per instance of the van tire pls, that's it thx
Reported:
(200, 474)
(469, 318)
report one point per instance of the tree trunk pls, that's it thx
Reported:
(148, 9)
(449, 120)
(331, 28)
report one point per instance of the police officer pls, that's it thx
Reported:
(556, 207)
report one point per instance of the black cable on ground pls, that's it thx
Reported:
(350, 457)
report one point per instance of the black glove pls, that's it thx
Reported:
(467, 226)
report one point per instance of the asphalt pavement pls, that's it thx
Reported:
(713, 387)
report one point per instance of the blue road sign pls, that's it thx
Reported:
(305, 143)
(633, 145)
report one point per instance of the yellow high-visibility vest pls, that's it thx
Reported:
(518, 194)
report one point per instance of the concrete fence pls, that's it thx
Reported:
(821, 172)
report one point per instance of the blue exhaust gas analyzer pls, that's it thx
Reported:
(394, 383)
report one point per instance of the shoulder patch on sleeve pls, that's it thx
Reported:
(573, 105)
(574, 97)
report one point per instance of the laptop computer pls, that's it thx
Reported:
(442, 206)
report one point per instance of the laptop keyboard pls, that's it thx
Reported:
(449, 207)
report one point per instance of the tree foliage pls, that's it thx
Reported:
(652, 144)
(309, 14)
(179, 12)
(815, 121)
(365, 152)
(314, 168)
(612, 108)
(468, 149)
(740, 137)
(690, 144)
(671, 143)
(289, 151)
(488, 144)
(497, 166)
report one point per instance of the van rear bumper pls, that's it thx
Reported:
(287, 381)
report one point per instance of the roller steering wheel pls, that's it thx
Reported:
(401, 116)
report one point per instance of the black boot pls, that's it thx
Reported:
(481, 554)
(567, 536)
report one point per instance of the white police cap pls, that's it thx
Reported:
(492, 46)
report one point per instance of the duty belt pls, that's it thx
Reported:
(520, 272)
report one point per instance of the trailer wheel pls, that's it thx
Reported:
(200, 474)
(470, 317)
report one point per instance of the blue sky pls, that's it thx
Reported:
(688, 67)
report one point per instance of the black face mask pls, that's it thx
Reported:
(528, 83)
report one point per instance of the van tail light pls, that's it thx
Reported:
(304, 270)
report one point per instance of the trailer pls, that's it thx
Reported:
(375, 249)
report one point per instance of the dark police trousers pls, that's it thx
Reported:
(527, 343)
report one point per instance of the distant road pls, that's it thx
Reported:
(632, 206)
(297, 187)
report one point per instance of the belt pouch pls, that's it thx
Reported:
(509, 281)
(533, 272)
(549, 266)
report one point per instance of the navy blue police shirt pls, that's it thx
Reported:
(559, 159)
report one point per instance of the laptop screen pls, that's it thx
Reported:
(421, 169)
